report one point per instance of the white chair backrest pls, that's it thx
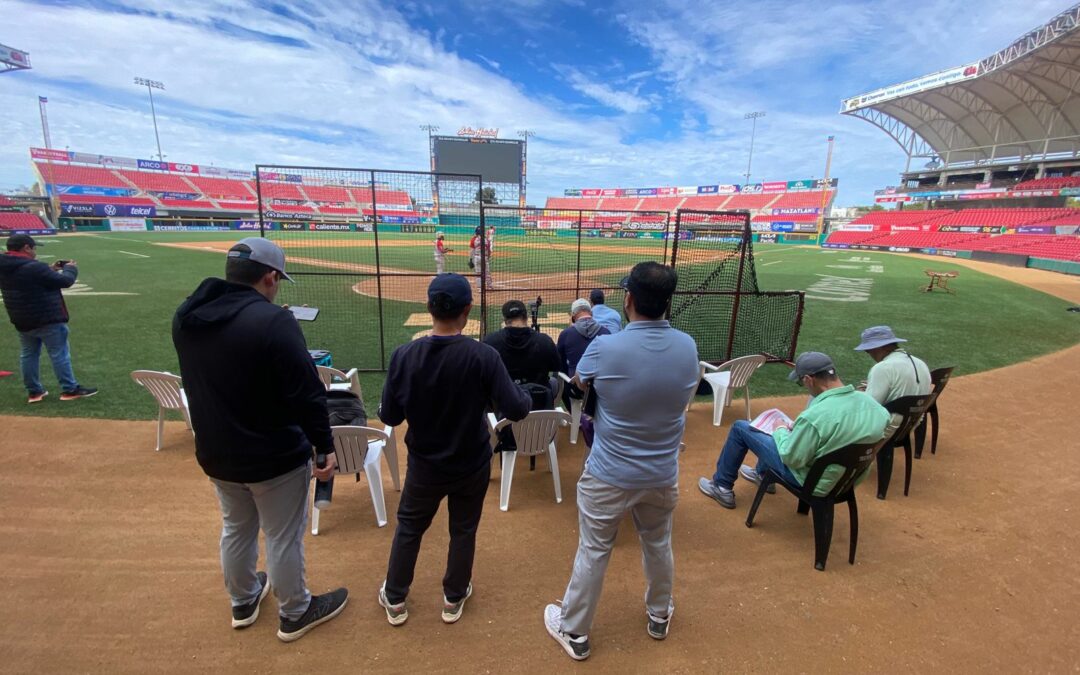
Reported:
(165, 387)
(327, 375)
(742, 368)
(351, 446)
(534, 433)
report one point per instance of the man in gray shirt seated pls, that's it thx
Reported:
(642, 379)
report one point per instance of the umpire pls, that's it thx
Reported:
(257, 408)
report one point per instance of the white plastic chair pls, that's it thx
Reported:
(349, 381)
(359, 449)
(726, 378)
(167, 389)
(534, 435)
(576, 406)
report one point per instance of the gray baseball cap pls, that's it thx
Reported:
(877, 336)
(261, 251)
(811, 363)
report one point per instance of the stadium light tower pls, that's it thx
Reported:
(525, 134)
(753, 130)
(151, 85)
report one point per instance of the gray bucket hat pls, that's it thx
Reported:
(877, 336)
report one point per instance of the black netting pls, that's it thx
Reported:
(718, 301)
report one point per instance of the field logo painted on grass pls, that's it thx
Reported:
(83, 289)
(840, 289)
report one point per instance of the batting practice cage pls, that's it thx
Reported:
(361, 245)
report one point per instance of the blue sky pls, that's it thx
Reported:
(619, 94)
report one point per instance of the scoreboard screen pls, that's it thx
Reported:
(496, 160)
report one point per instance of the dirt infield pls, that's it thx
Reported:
(110, 559)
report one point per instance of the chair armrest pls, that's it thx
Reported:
(564, 377)
(497, 425)
(352, 373)
(705, 365)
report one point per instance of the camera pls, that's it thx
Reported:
(534, 312)
(61, 263)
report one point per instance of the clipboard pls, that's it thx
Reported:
(305, 313)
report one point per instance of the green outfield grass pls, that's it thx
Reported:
(989, 322)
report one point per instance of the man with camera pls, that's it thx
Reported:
(529, 355)
(36, 306)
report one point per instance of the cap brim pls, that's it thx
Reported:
(625, 282)
(793, 375)
(285, 276)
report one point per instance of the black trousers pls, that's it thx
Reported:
(419, 504)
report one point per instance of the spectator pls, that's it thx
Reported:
(605, 316)
(836, 416)
(442, 385)
(895, 373)
(529, 356)
(36, 306)
(642, 379)
(257, 408)
(574, 340)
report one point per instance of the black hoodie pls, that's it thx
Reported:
(257, 404)
(31, 291)
(529, 356)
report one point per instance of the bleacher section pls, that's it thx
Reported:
(1049, 183)
(70, 174)
(800, 200)
(16, 220)
(158, 182)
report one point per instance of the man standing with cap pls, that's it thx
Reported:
(258, 410)
(642, 379)
(442, 385)
(836, 416)
(36, 306)
(441, 249)
(605, 316)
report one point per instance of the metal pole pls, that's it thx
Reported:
(153, 114)
(42, 101)
(825, 192)
(753, 131)
(525, 134)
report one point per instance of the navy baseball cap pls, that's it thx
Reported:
(17, 241)
(455, 286)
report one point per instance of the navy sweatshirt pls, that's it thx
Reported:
(31, 291)
(257, 404)
(443, 386)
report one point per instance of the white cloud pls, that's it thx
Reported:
(625, 101)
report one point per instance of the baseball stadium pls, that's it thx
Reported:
(969, 564)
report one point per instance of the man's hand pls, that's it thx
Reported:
(59, 264)
(327, 471)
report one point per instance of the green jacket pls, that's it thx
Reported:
(835, 418)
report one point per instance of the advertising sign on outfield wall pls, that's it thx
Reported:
(123, 224)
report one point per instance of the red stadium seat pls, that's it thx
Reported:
(17, 220)
(72, 174)
(158, 182)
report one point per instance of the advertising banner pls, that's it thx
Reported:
(152, 164)
(819, 184)
(246, 224)
(183, 168)
(647, 192)
(856, 227)
(571, 193)
(17, 56)
(1036, 193)
(1069, 192)
(774, 186)
(974, 229)
(293, 226)
(728, 189)
(795, 212)
(691, 190)
(667, 191)
(89, 190)
(937, 79)
(638, 225)
(239, 175)
(767, 238)
(800, 185)
(77, 209)
(592, 192)
(190, 228)
(331, 227)
(51, 155)
(753, 189)
(708, 189)
(886, 199)
(990, 194)
(611, 192)
(778, 226)
(805, 227)
(127, 224)
(110, 210)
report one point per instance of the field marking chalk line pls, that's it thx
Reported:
(137, 255)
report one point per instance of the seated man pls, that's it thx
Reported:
(530, 357)
(575, 339)
(605, 316)
(836, 416)
(895, 373)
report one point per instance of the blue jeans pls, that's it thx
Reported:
(55, 338)
(743, 438)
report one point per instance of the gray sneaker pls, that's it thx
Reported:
(576, 647)
(245, 615)
(723, 495)
(451, 611)
(395, 614)
(750, 473)
(658, 628)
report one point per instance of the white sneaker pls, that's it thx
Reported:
(576, 648)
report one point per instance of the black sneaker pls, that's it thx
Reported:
(322, 608)
(245, 615)
(577, 647)
(658, 627)
(78, 392)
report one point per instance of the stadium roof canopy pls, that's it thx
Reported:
(1018, 105)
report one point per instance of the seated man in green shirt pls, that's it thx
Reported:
(836, 416)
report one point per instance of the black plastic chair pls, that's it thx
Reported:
(855, 459)
(912, 408)
(939, 377)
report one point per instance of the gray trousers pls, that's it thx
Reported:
(601, 507)
(280, 507)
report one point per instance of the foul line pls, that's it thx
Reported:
(771, 263)
(137, 255)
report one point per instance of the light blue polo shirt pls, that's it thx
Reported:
(643, 378)
(607, 317)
